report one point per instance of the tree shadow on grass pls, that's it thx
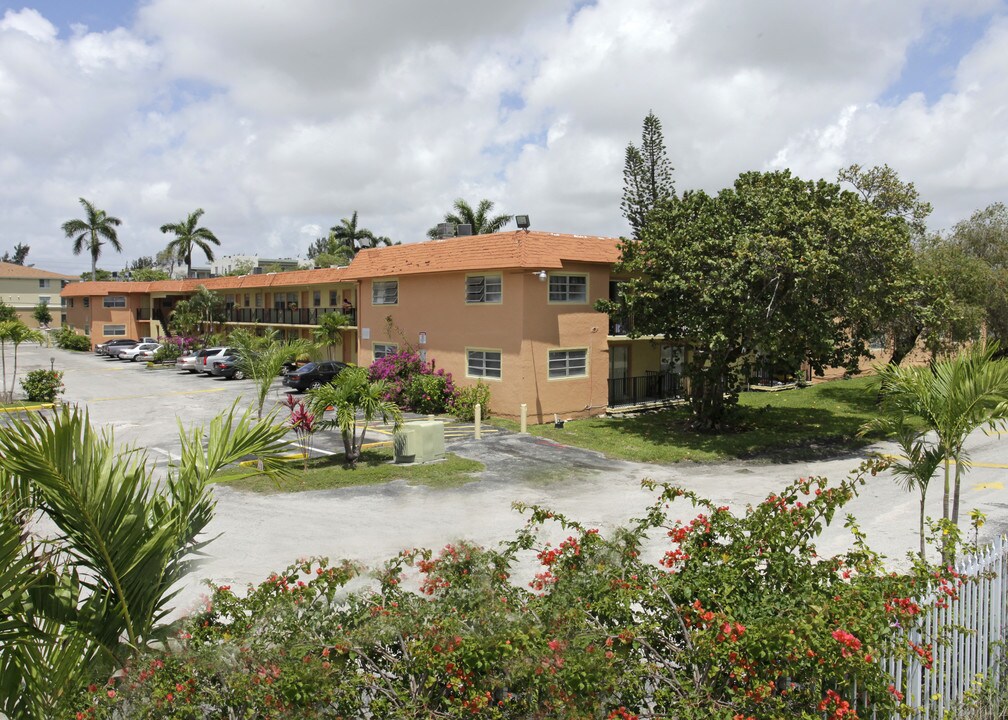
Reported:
(771, 433)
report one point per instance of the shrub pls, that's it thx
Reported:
(67, 339)
(414, 384)
(173, 348)
(463, 406)
(43, 385)
(738, 618)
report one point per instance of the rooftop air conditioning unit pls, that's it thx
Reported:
(257, 270)
(445, 230)
(463, 230)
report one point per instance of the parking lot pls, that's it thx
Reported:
(261, 533)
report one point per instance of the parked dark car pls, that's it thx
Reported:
(107, 347)
(313, 375)
(227, 367)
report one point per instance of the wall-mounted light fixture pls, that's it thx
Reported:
(541, 275)
(522, 221)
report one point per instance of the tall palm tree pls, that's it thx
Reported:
(954, 397)
(353, 238)
(188, 235)
(480, 219)
(90, 231)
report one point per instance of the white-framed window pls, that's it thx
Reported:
(333, 298)
(380, 350)
(258, 300)
(43, 284)
(483, 363)
(113, 330)
(568, 288)
(114, 301)
(316, 299)
(44, 299)
(248, 300)
(568, 363)
(67, 301)
(483, 288)
(385, 292)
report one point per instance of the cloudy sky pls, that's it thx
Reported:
(279, 118)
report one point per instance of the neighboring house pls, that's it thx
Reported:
(23, 288)
(515, 309)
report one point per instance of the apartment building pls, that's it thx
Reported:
(514, 309)
(23, 288)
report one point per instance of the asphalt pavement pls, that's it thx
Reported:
(261, 533)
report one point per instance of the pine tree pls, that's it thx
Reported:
(647, 175)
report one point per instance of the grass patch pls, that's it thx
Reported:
(804, 424)
(374, 468)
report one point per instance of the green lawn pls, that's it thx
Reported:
(790, 425)
(375, 467)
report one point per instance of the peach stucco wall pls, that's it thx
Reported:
(523, 327)
(97, 315)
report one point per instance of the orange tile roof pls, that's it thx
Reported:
(13, 270)
(518, 249)
(234, 282)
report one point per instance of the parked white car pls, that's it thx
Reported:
(194, 362)
(141, 350)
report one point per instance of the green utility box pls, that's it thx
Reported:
(419, 442)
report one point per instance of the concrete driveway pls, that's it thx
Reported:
(262, 533)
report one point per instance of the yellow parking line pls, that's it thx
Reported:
(996, 466)
(380, 443)
(171, 394)
(989, 486)
(992, 433)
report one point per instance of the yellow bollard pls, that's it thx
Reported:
(524, 417)
(478, 421)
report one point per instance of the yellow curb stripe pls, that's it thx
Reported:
(989, 486)
(172, 394)
(381, 443)
(22, 408)
(996, 466)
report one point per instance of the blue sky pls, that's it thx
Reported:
(278, 119)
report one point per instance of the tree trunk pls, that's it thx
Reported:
(13, 381)
(955, 492)
(349, 458)
(3, 362)
(903, 343)
(922, 548)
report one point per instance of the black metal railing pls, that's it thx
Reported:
(651, 387)
(286, 316)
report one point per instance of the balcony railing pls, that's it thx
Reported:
(285, 316)
(651, 387)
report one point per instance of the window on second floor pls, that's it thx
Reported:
(316, 298)
(87, 302)
(114, 301)
(43, 284)
(385, 292)
(43, 299)
(483, 289)
(568, 288)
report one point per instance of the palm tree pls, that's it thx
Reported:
(954, 397)
(353, 238)
(329, 331)
(352, 394)
(482, 223)
(88, 233)
(188, 235)
(916, 465)
(126, 534)
(14, 332)
(262, 358)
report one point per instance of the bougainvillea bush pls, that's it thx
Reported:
(414, 384)
(174, 347)
(738, 618)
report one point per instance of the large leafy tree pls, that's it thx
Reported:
(647, 175)
(189, 235)
(775, 270)
(75, 603)
(92, 232)
(983, 237)
(481, 219)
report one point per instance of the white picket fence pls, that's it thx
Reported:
(976, 624)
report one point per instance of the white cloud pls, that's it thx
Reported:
(280, 118)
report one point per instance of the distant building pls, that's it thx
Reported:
(229, 263)
(23, 287)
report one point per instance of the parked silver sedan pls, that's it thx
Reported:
(143, 350)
